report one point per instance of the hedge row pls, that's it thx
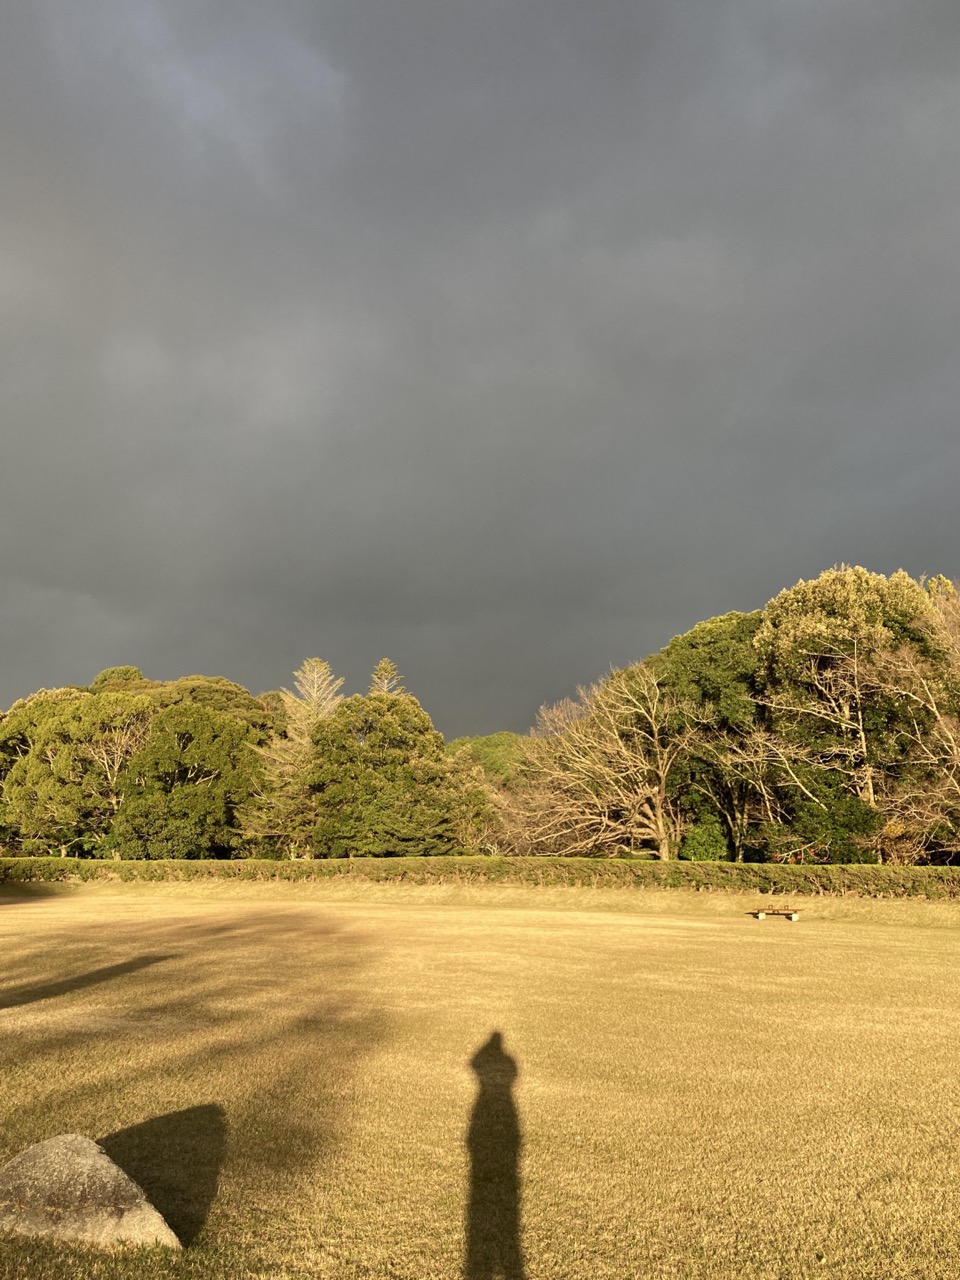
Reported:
(866, 881)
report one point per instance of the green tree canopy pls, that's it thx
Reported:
(183, 788)
(712, 671)
(67, 755)
(842, 613)
(715, 664)
(116, 676)
(215, 692)
(499, 755)
(383, 783)
(840, 729)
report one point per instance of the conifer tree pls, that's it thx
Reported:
(383, 783)
(282, 814)
(386, 678)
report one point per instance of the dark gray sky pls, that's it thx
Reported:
(505, 339)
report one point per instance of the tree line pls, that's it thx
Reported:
(196, 768)
(824, 727)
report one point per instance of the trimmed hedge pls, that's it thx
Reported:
(863, 880)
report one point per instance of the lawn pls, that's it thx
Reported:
(680, 1090)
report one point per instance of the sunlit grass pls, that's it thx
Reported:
(701, 1094)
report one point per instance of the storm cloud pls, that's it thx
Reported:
(505, 340)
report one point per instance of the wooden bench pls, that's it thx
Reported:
(790, 915)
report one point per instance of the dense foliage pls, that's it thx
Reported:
(198, 768)
(383, 783)
(824, 728)
(595, 873)
(499, 755)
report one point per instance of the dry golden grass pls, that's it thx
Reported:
(702, 1095)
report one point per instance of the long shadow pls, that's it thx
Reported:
(205, 1016)
(176, 1159)
(18, 996)
(14, 892)
(493, 1143)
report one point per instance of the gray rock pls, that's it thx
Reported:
(68, 1188)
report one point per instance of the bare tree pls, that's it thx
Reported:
(600, 769)
(760, 772)
(830, 711)
(885, 722)
(920, 797)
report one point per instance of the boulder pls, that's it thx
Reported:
(68, 1188)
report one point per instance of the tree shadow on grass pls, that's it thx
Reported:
(493, 1144)
(18, 996)
(176, 1159)
(18, 893)
(262, 1011)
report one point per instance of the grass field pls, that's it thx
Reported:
(286, 1070)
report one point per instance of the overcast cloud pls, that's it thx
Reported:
(503, 339)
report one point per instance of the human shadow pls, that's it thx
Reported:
(29, 994)
(493, 1144)
(176, 1159)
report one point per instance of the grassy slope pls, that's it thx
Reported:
(701, 1094)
